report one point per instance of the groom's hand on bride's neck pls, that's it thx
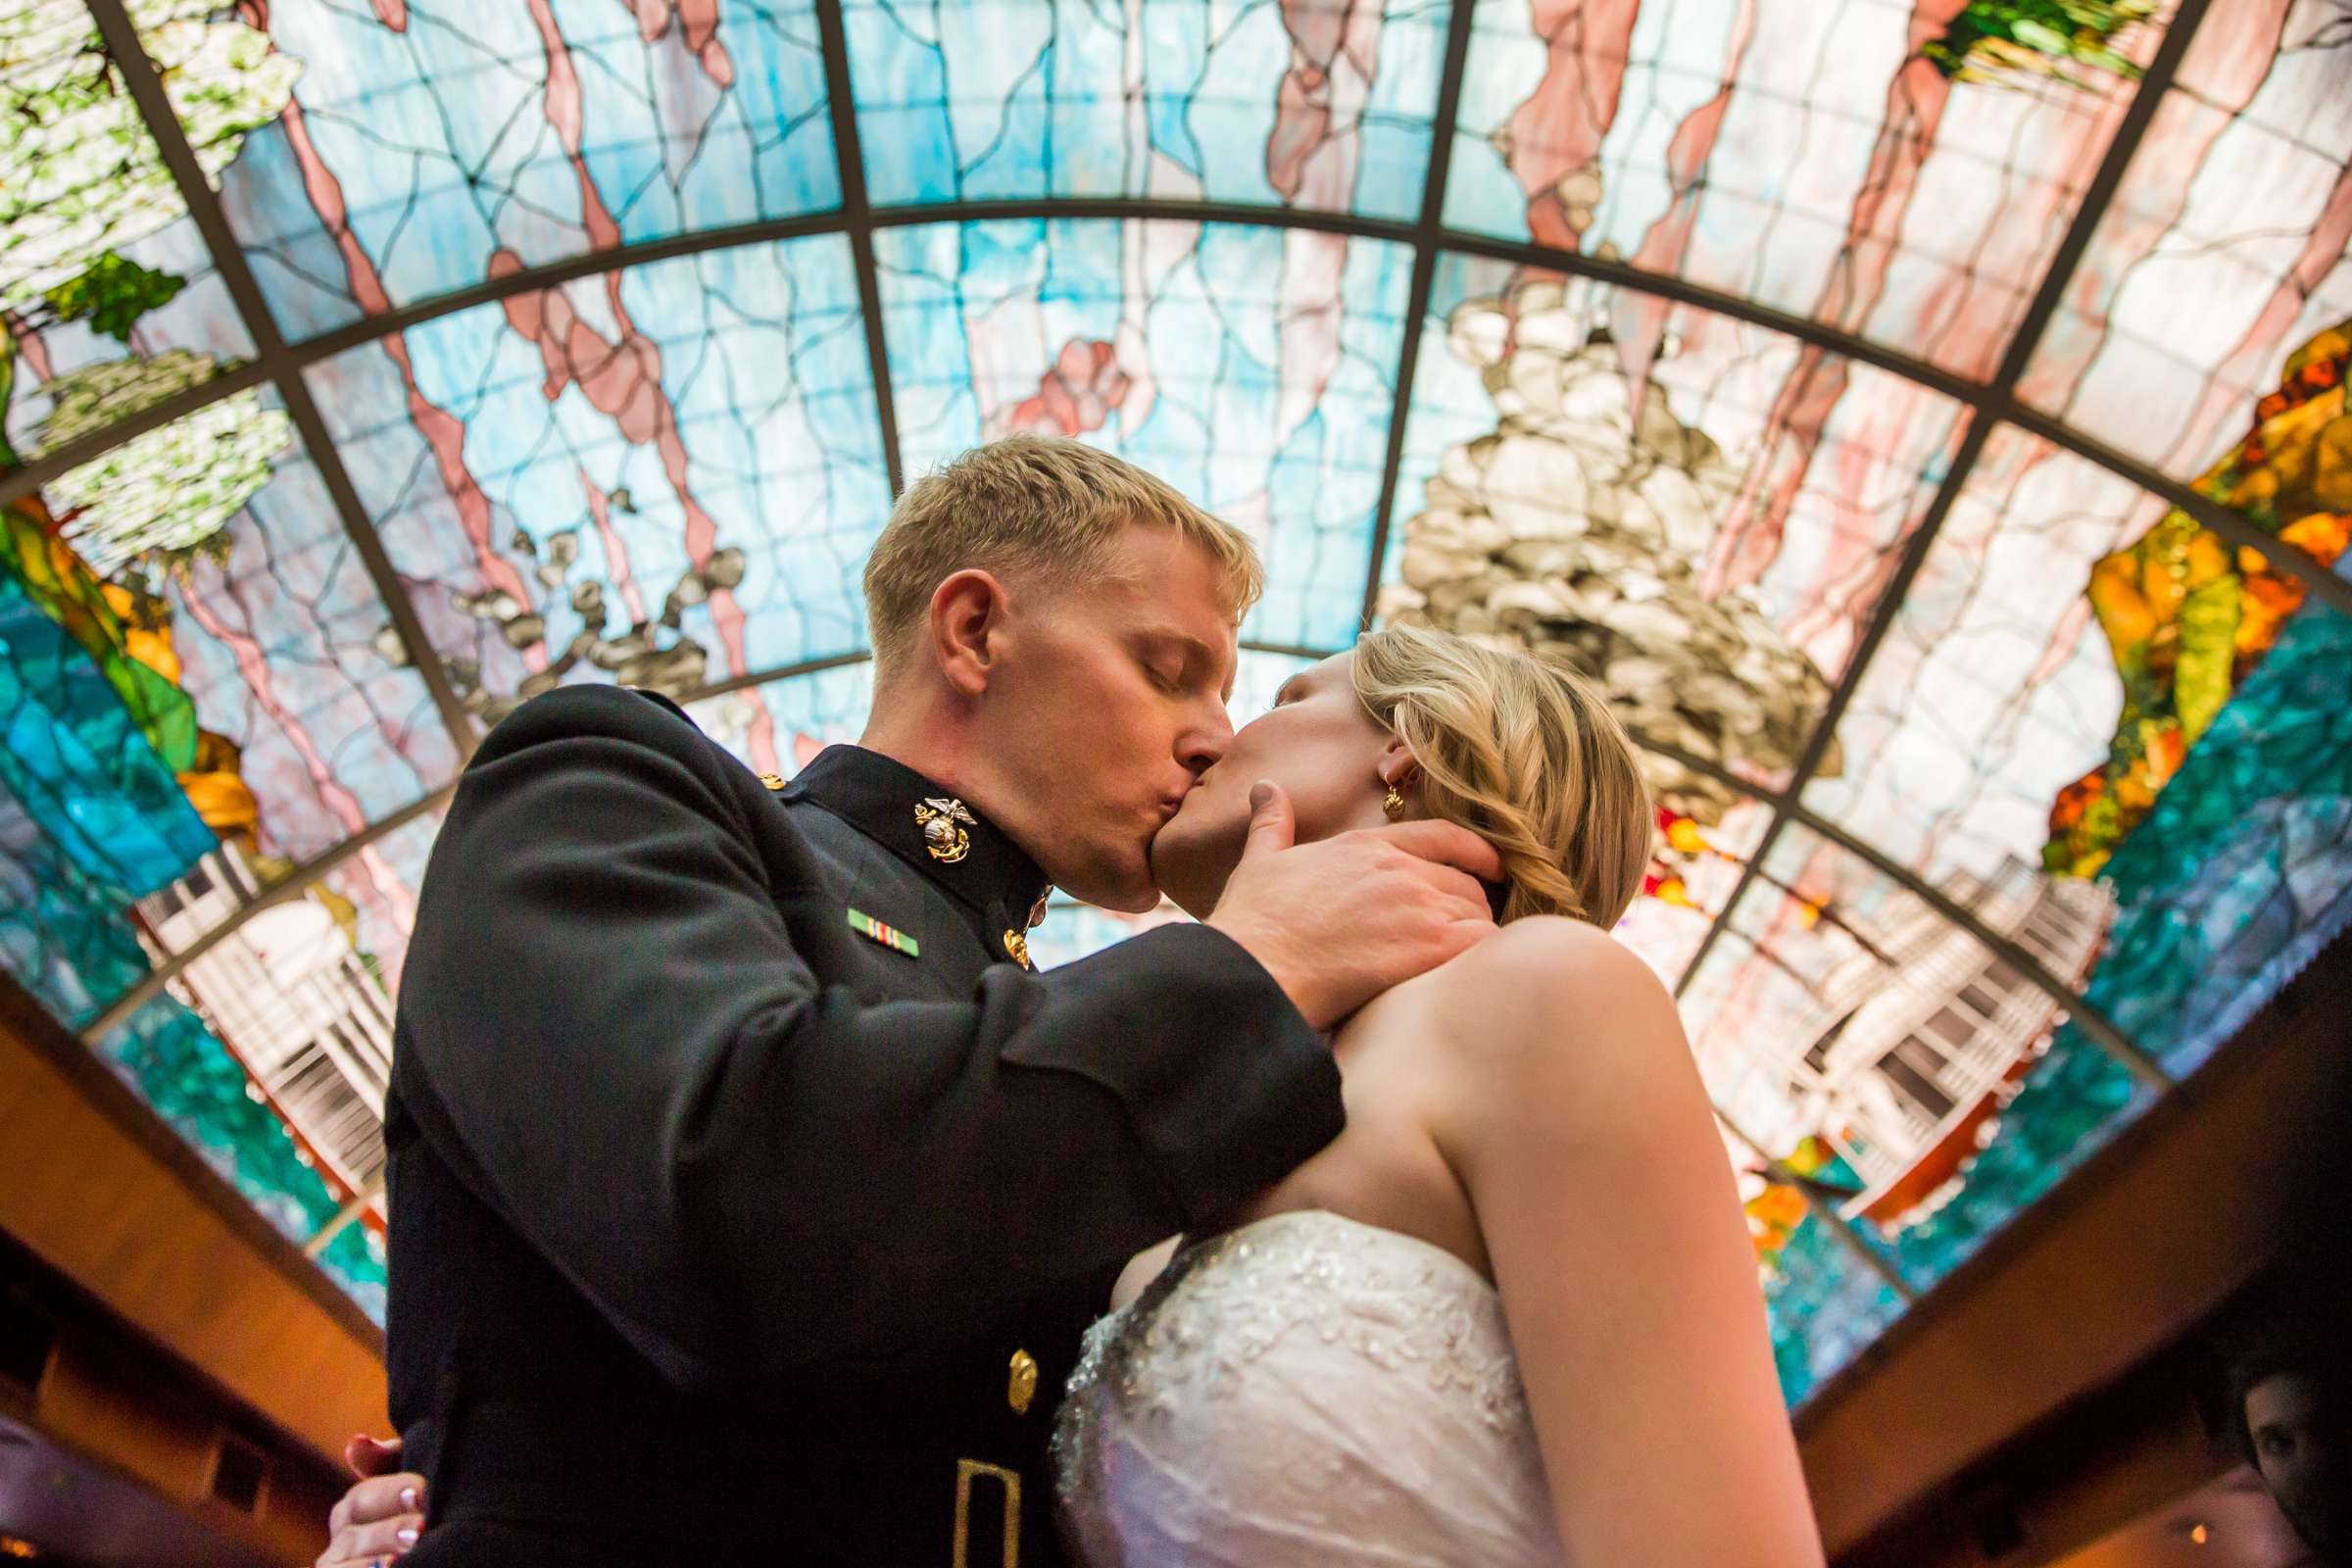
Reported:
(1340, 921)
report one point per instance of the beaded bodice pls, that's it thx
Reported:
(1303, 1389)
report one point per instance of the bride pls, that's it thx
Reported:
(1510, 1315)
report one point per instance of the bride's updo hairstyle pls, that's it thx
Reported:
(1524, 754)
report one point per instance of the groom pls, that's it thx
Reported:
(749, 1190)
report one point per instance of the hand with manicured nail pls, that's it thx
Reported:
(1337, 921)
(379, 1519)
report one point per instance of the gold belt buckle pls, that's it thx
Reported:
(967, 1472)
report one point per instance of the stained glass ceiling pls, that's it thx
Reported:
(1928, 421)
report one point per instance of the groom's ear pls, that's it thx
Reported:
(966, 628)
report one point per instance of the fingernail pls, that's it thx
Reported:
(406, 1534)
(408, 1498)
(1259, 793)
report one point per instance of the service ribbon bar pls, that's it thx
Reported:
(890, 936)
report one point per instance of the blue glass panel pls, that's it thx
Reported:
(432, 146)
(63, 933)
(1313, 103)
(181, 1070)
(2242, 871)
(668, 476)
(1824, 1305)
(67, 934)
(1831, 157)
(1250, 367)
(779, 725)
(290, 658)
(1074, 931)
(83, 759)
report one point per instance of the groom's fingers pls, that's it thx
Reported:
(1447, 844)
(1460, 886)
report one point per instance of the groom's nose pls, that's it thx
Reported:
(1203, 745)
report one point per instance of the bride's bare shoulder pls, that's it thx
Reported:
(1552, 1027)
(1549, 958)
(1541, 964)
(1546, 984)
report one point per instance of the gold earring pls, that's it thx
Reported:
(1392, 803)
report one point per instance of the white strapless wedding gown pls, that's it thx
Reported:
(1305, 1390)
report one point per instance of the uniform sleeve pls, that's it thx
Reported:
(606, 1017)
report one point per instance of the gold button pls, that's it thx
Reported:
(1021, 1386)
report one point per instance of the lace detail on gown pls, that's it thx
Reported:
(1303, 1389)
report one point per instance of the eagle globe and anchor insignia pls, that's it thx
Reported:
(944, 821)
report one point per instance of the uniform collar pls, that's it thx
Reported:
(945, 838)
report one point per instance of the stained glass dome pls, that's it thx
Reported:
(1928, 420)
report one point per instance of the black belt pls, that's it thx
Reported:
(873, 1488)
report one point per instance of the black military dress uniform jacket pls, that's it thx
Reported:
(726, 1230)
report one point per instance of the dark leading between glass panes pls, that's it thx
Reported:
(666, 476)
(1817, 156)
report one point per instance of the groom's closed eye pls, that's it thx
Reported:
(1176, 663)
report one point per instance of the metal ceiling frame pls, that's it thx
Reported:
(1459, 25)
(856, 218)
(1986, 404)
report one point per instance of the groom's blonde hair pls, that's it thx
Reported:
(1526, 755)
(1039, 508)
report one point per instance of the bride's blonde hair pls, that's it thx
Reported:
(1526, 755)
